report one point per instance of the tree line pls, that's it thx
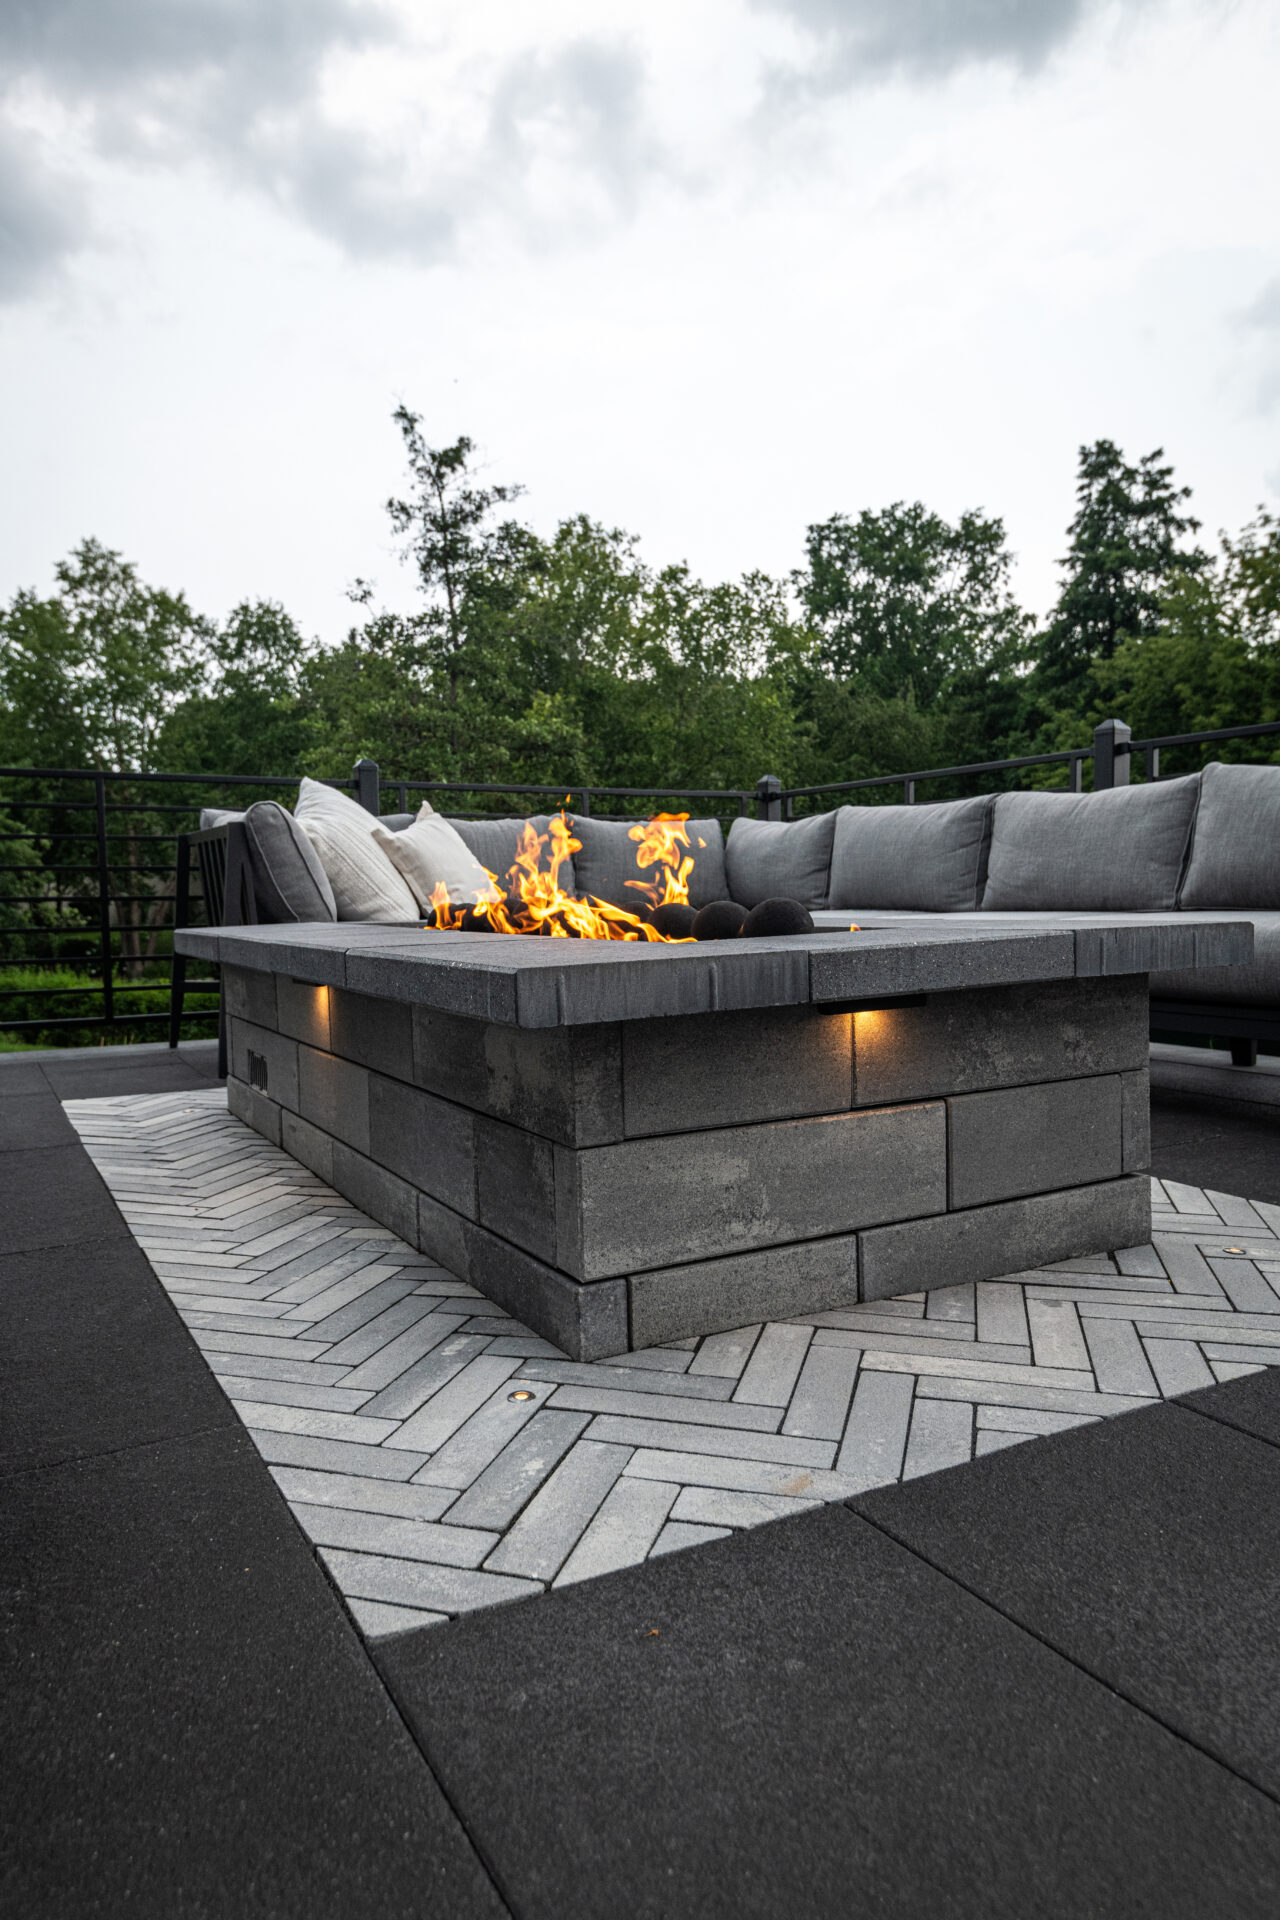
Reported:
(897, 644)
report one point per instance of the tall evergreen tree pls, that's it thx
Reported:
(1128, 550)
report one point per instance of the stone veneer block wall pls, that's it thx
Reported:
(622, 1184)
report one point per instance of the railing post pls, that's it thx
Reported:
(768, 797)
(368, 792)
(104, 898)
(1110, 755)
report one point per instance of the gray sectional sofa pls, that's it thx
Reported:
(1207, 843)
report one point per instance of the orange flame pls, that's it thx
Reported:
(660, 840)
(535, 902)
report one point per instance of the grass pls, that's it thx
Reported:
(24, 995)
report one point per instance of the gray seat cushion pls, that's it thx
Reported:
(780, 860)
(1255, 983)
(1120, 851)
(495, 844)
(607, 862)
(289, 884)
(1235, 849)
(931, 858)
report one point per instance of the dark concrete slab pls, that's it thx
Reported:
(1146, 1548)
(50, 1196)
(93, 1357)
(195, 1728)
(101, 1080)
(1252, 1405)
(33, 1120)
(1228, 1152)
(21, 1073)
(807, 1719)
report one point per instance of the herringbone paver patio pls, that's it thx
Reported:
(442, 1458)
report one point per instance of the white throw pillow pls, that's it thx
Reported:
(366, 886)
(431, 851)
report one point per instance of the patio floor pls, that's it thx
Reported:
(1046, 1680)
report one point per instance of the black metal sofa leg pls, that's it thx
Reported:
(1244, 1053)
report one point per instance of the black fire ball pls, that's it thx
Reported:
(775, 917)
(722, 920)
(473, 922)
(673, 920)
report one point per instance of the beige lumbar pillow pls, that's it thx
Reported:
(431, 853)
(366, 886)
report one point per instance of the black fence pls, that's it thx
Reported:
(88, 860)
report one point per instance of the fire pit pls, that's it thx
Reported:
(630, 1142)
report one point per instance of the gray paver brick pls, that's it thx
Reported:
(335, 1456)
(426, 1376)
(383, 1533)
(513, 1478)
(743, 1476)
(733, 1445)
(668, 1406)
(629, 1520)
(877, 1431)
(1001, 1318)
(320, 1426)
(439, 1419)
(820, 1404)
(725, 1354)
(289, 1393)
(479, 1440)
(545, 1534)
(414, 1583)
(941, 1436)
(678, 1534)
(1118, 1360)
(1178, 1365)
(994, 1439)
(771, 1373)
(361, 1492)
(1056, 1338)
(717, 1507)
(401, 1350)
(378, 1621)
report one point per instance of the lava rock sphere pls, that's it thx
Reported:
(722, 920)
(777, 917)
(674, 920)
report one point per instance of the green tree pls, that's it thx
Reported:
(248, 716)
(1127, 553)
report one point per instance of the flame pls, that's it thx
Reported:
(659, 842)
(535, 902)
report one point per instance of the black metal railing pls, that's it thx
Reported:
(86, 943)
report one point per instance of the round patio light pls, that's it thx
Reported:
(521, 1393)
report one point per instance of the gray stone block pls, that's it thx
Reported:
(564, 1083)
(475, 978)
(707, 1296)
(278, 1058)
(443, 1234)
(307, 1144)
(909, 958)
(580, 984)
(290, 950)
(382, 1195)
(375, 1033)
(303, 1010)
(1135, 1120)
(428, 1142)
(1003, 1037)
(255, 1109)
(248, 995)
(585, 1322)
(1010, 1237)
(515, 1186)
(334, 1095)
(664, 1202)
(1032, 1139)
(727, 1069)
(1153, 945)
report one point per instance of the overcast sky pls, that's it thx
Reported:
(709, 272)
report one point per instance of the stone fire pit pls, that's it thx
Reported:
(626, 1145)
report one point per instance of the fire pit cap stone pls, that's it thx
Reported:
(529, 981)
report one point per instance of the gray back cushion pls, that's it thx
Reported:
(931, 858)
(608, 861)
(288, 881)
(780, 860)
(495, 844)
(1235, 849)
(1122, 850)
(397, 822)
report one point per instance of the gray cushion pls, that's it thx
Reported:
(607, 862)
(1122, 850)
(495, 844)
(289, 882)
(780, 860)
(1235, 849)
(931, 858)
(1255, 983)
(397, 822)
(217, 816)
